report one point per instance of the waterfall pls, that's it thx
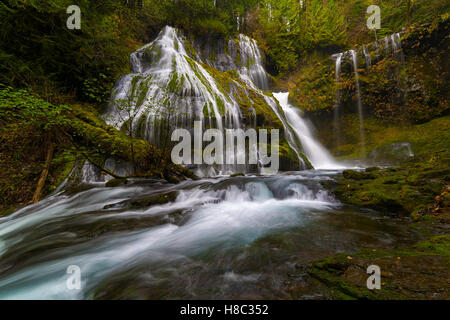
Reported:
(169, 88)
(252, 70)
(386, 45)
(359, 103)
(337, 99)
(395, 44)
(319, 157)
(397, 47)
(367, 56)
(166, 83)
(377, 48)
(397, 51)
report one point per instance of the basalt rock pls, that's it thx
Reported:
(145, 202)
(115, 182)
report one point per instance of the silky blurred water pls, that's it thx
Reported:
(221, 238)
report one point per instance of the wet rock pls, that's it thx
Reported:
(239, 174)
(115, 182)
(154, 200)
(145, 202)
(173, 179)
(393, 153)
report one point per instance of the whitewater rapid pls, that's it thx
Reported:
(219, 238)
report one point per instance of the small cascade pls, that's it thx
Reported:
(397, 47)
(252, 70)
(91, 174)
(253, 117)
(393, 44)
(269, 7)
(359, 103)
(337, 99)
(377, 48)
(386, 43)
(367, 56)
(319, 157)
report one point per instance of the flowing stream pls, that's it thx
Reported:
(216, 238)
(220, 238)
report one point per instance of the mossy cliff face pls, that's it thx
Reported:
(412, 84)
(413, 78)
(176, 81)
(381, 138)
(401, 87)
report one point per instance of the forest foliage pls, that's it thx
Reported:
(38, 51)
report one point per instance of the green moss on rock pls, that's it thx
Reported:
(115, 182)
(415, 272)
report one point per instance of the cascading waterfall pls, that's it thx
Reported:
(386, 45)
(319, 157)
(397, 51)
(221, 238)
(167, 89)
(337, 99)
(397, 46)
(367, 56)
(359, 103)
(163, 64)
(394, 41)
(252, 70)
(377, 48)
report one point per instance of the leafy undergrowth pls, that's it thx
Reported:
(29, 125)
(416, 272)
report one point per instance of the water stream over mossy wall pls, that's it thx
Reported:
(174, 83)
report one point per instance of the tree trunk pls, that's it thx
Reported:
(408, 12)
(44, 174)
(101, 168)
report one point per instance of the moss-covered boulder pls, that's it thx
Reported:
(115, 182)
(416, 272)
(409, 189)
(145, 202)
(238, 174)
